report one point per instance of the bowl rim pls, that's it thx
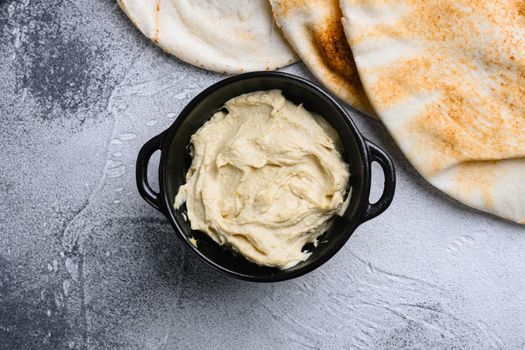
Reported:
(364, 154)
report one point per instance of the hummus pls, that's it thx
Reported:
(266, 178)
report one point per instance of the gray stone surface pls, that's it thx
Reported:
(86, 264)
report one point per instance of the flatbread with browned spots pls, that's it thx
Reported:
(313, 28)
(227, 36)
(447, 78)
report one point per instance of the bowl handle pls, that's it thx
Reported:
(143, 159)
(378, 155)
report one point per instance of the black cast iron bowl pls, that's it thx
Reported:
(175, 161)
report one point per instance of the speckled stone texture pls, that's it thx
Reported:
(85, 263)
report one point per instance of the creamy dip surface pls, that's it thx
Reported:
(266, 178)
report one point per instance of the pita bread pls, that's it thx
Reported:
(313, 28)
(447, 78)
(226, 36)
